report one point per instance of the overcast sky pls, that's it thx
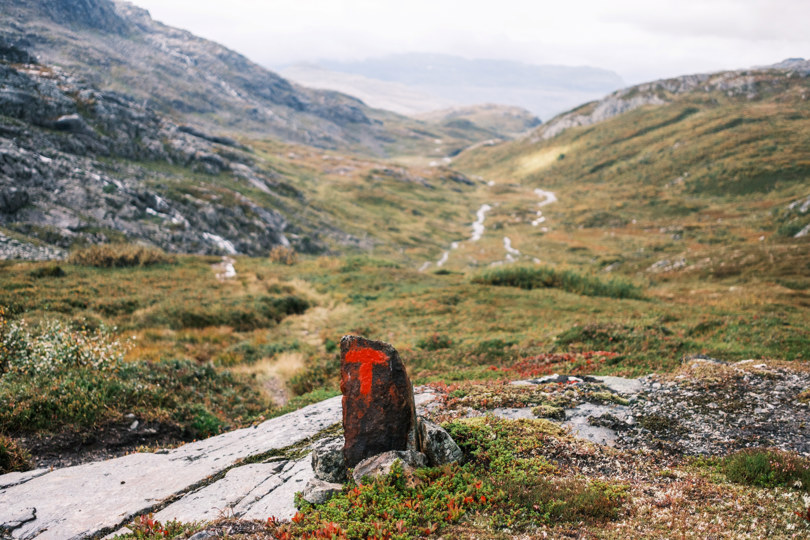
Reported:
(639, 39)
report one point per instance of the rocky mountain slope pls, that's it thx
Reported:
(697, 174)
(747, 83)
(78, 165)
(117, 46)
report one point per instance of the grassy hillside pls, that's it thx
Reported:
(672, 233)
(709, 186)
(668, 231)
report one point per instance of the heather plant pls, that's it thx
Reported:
(767, 467)
(505, 482)
(283, 255)
(12, 456)
(434, 342)
(55, 347)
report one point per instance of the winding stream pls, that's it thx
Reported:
(479, 228)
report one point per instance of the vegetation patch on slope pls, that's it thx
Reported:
(567, 280)
(54, 378)
(119, 255)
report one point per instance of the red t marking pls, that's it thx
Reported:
(367, 358)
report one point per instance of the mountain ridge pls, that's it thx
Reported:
(118, 46)
(627, 99)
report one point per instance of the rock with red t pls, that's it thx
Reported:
(378, 407)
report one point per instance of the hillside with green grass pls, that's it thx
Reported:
(672, 232)
(666, 222)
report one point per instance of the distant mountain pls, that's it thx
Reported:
(391, 96)
(118, 47)
(498, 120)
(543, 89)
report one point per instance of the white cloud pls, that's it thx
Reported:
(639, 39)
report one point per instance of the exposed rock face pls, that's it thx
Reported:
(12, 199)
(378, 406)
(96, 14)
(328, 462)
(381, 464)
(745, 84)
(54, 130)
(14, 249)
(437, 445)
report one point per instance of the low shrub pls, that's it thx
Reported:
(246, 352)
(539, 277)
(283, 255)
(242, 313)
(504, 483)
(434, 342)
(147, 528)
(320, 372)
(12, 457)
(119, 256)
(767, 467)
(54, 377)
(48, 271)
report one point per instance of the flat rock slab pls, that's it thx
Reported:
(16, 478)
(256, 491)
(95, 498)
(578, 419)
(621, 385)
(98, 498)
(513, 413)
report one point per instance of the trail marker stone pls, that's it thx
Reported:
(378, 406)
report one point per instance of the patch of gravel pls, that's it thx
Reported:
(714, 408)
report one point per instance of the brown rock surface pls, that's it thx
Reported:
(378, 407)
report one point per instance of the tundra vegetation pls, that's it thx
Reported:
(674, 234)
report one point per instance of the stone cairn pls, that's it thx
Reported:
(379, 422)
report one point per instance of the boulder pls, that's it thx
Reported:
(70, 122)
(12, 199)
(328, 462)
(437, 445)
(378, 407)
(318, 492)
(381, 464)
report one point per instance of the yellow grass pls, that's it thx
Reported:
(541, 159)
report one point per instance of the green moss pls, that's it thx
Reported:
(767, 468)
(549, 411)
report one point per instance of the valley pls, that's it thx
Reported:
(185, 237)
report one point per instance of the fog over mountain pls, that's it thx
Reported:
(545, 90)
